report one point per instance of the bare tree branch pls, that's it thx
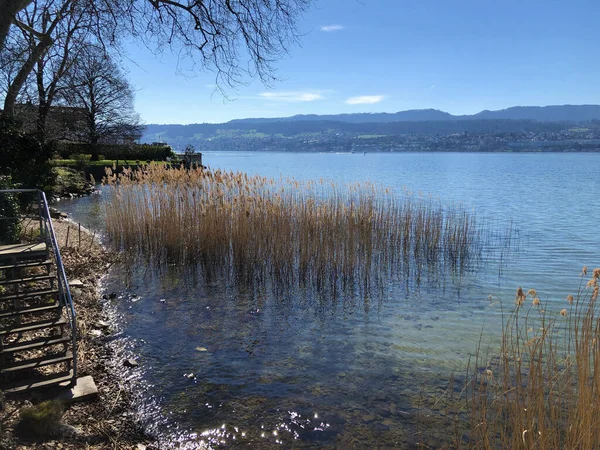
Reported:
(8, 11)
(98, 87)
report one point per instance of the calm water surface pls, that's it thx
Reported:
(238, 367)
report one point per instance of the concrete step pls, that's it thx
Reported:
(22, 265)
(38, 382)
(34, 326)
(35, 363)
(21, 295)
(27, 279)
(34, 344)
(23, 311)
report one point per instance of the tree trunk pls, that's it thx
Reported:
(17, 84)
(8, 11)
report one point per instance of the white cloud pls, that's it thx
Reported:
(291, 96)
(332, 27)
(364, 100)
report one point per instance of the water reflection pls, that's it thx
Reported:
(300, 365)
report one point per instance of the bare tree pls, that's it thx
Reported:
(234, 38)
(99, 89)
(70, 41)
(52, 30)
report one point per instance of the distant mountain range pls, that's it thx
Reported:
(556, 113)
(301, 131)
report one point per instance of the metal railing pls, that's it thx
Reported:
(48, 235)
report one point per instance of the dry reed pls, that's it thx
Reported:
(542, 390)
(286, 232)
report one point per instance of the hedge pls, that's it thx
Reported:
(142, 152)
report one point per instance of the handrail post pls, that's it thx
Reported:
(40, 207)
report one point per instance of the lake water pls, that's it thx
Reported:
(233, 367)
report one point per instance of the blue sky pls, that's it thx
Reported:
(389, 55)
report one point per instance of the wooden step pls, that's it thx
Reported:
(27, 279)
(21, 295)
(23, 311)
(34, 344)
(35, 363)
(34, 326)
(20, 252)
(26, 264)
(38, 382)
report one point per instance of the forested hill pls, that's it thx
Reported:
(296, 128)
(485, 131)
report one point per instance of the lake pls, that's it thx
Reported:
(235, 367)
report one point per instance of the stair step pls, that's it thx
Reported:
(35, 363)
(22, 311)
(31, 345)
(27, 279)
(23, 252)
(20, 295)
(34, 326)
(38, 382)
(26, 264)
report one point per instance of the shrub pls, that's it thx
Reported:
(81, 160)
(112, 151)
(41, 420)
(23, 158)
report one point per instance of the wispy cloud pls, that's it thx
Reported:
(432, 87)
(364, 99)
(291, 96)
(332, 28)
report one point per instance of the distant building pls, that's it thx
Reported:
(64, 123)
(191, 159)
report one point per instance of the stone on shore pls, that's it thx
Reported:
(84, 390)
(76, 283)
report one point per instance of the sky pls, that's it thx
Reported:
(458, 56)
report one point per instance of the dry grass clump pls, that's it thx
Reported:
(543, 389)
(288, 232)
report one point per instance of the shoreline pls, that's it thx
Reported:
(108, 421)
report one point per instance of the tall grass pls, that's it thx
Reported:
(288, 232)
(542, 390)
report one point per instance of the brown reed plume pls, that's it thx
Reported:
(542, 391)
(287, 232)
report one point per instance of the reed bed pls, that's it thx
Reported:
(286, 232)
(542, 391)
